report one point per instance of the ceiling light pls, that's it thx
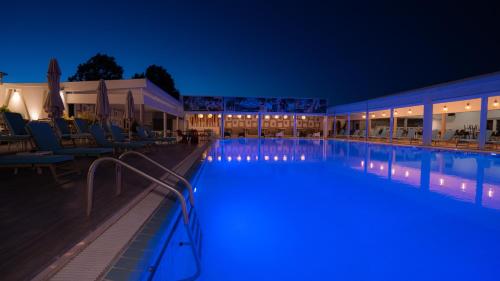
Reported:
(276, 117)
(445, 109)
(200, 115)
(303, 117)
(249, 116)
(239, 116)
(467, 106)
(210, 115)
(409, 111)
(395, 112)
(230, 116)
(495, 103)
(285, 117)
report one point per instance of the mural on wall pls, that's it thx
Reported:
(239, 104)
(199, 103)
(243, 104)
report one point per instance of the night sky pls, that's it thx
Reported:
(343, 52)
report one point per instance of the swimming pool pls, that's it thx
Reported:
(279, 209)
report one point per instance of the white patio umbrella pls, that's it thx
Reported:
(53, 103)
(129, 112)
(102, 108)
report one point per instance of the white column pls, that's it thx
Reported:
(259, 124)
(295, 125)
(483, 119)
(222, 121)
(348, 125)
(334, 126)
(391, 124)
(427, 130)
(367, 125)
(325, 126)
(165, 124)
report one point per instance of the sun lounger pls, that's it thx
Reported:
(55, 163)
(446, 138)
(119, 137)
(46, 140)
(16, 125)
(99, 136)
(146, 135)
(64, 132)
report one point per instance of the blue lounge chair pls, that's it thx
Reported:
(16, 125)
(46, 140)
(81, 125)
(64, 132)
(119, 137)
(100, 138)
(65, 163)
(146, 135)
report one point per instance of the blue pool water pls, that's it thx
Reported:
(335, 210)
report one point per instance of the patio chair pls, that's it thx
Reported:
(17, 131)
(46, 140)
(379, 134)
(99, 136)
(446, 138)
(399, 134)
(64, 132)
(59, 165)
(466, 142)
(145, 134)
(119, 137)
(81, 125)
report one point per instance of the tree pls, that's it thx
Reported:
(161, 78)
(100, 66)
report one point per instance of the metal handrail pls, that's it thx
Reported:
(181, 178)
(185, 214)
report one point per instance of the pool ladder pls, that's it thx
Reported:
(189, 218)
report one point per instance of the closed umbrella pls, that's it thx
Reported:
(102, 108)
(53, 103)
(129, 112)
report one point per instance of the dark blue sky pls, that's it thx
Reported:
(343, 52)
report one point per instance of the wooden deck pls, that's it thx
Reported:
(40, 220)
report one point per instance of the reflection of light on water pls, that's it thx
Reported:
(362, 163)
(441, 181)
(302, 157)
(266, 157)
(285, 158)
(463, 186)
(256, 157)
(229, 158)
(490, 193)
(204, 155)
(209, 158)
(248, 158)
(407, 173)
(219, 158)
(371, 165)
(276, 158)
(238, 158)
(381, 167)
(393, 171)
